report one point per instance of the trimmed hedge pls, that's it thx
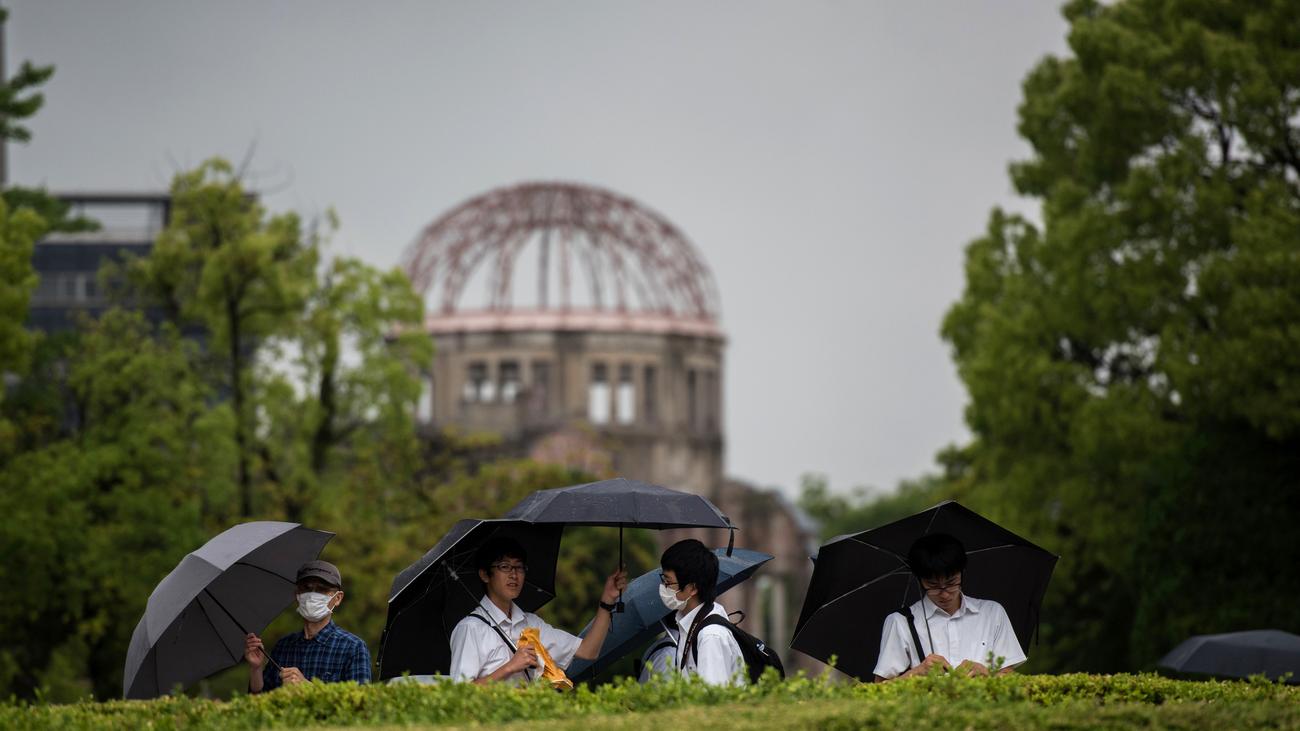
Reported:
(1064, 701)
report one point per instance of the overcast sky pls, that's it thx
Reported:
(830, 159)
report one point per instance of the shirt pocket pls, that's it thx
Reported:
(979, 652)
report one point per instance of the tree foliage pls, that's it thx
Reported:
(1131, 361)
(261, 384)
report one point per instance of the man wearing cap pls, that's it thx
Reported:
(322, 651)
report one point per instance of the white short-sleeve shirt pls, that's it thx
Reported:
(660, 657)
(720, 661)
(978, 627)
(477, 650)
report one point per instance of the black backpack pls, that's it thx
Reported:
(758, 656)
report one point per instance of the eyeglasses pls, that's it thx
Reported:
(664, 580)
(941, 588)
(511, 568)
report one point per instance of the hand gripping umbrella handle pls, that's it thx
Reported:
(240, 625)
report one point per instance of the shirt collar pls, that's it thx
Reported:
(929, 608)
(495, 614)
(325, 632)
(684, 622)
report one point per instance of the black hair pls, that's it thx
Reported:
(936, 556)
(693, 564)
(497, 548)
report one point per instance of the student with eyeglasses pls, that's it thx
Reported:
(485, 644)
(954, 630)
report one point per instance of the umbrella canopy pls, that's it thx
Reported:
(431, 595)
(619, 502)
(859, 579)
(196, 618)
(623, 503)
(644, 610)
(1238, 655)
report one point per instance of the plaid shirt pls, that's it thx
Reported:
(333, 655)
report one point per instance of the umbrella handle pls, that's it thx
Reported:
(619, 607)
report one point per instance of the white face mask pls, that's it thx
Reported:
(314, 606)
(669, 598)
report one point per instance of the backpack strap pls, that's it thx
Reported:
(916, 637)
(663, 645)
(709, 620)
(503, 637)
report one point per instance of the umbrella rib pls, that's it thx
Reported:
(269, 571)
(213, 625)
(216, 601)
(855, 590)
(933, 517)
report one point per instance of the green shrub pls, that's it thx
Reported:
(1065, 701)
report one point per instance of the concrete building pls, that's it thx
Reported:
(68, 264)
(585, 330)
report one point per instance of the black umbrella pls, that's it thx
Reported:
(431, 595)
(623, 503)
(645, 610)
(196, 618)
(1238, 655)
(859, 579)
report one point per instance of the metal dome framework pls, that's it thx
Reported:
(633, 260)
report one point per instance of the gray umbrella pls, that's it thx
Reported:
(196, 618)
(621, 502)
(1238, 655)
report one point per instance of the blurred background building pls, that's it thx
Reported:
(585, 330)
(68, 262)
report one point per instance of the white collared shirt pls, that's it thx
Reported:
(477, 650)
(660, 657)
(978, 627)
(720, 661)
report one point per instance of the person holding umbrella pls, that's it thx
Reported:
(959, 631)
(485, 644)
(322, 651)
(705, 647)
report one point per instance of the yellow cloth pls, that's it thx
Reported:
(531, 637)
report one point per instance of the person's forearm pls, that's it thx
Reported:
(591, 644)
(499, 674)
(254, 680)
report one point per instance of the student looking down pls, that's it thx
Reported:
(955, 630)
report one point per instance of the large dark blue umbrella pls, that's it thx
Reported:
(644, 611)
(196, 618)
(620, 502)
(1238, 655)
(859, 579)
(430, 596)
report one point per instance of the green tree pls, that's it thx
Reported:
(18, 232)
(19, 98)
(352, 384)
(19, 101)
(97, 518)
(863, 509)
(241, 276)
(1131, 361)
